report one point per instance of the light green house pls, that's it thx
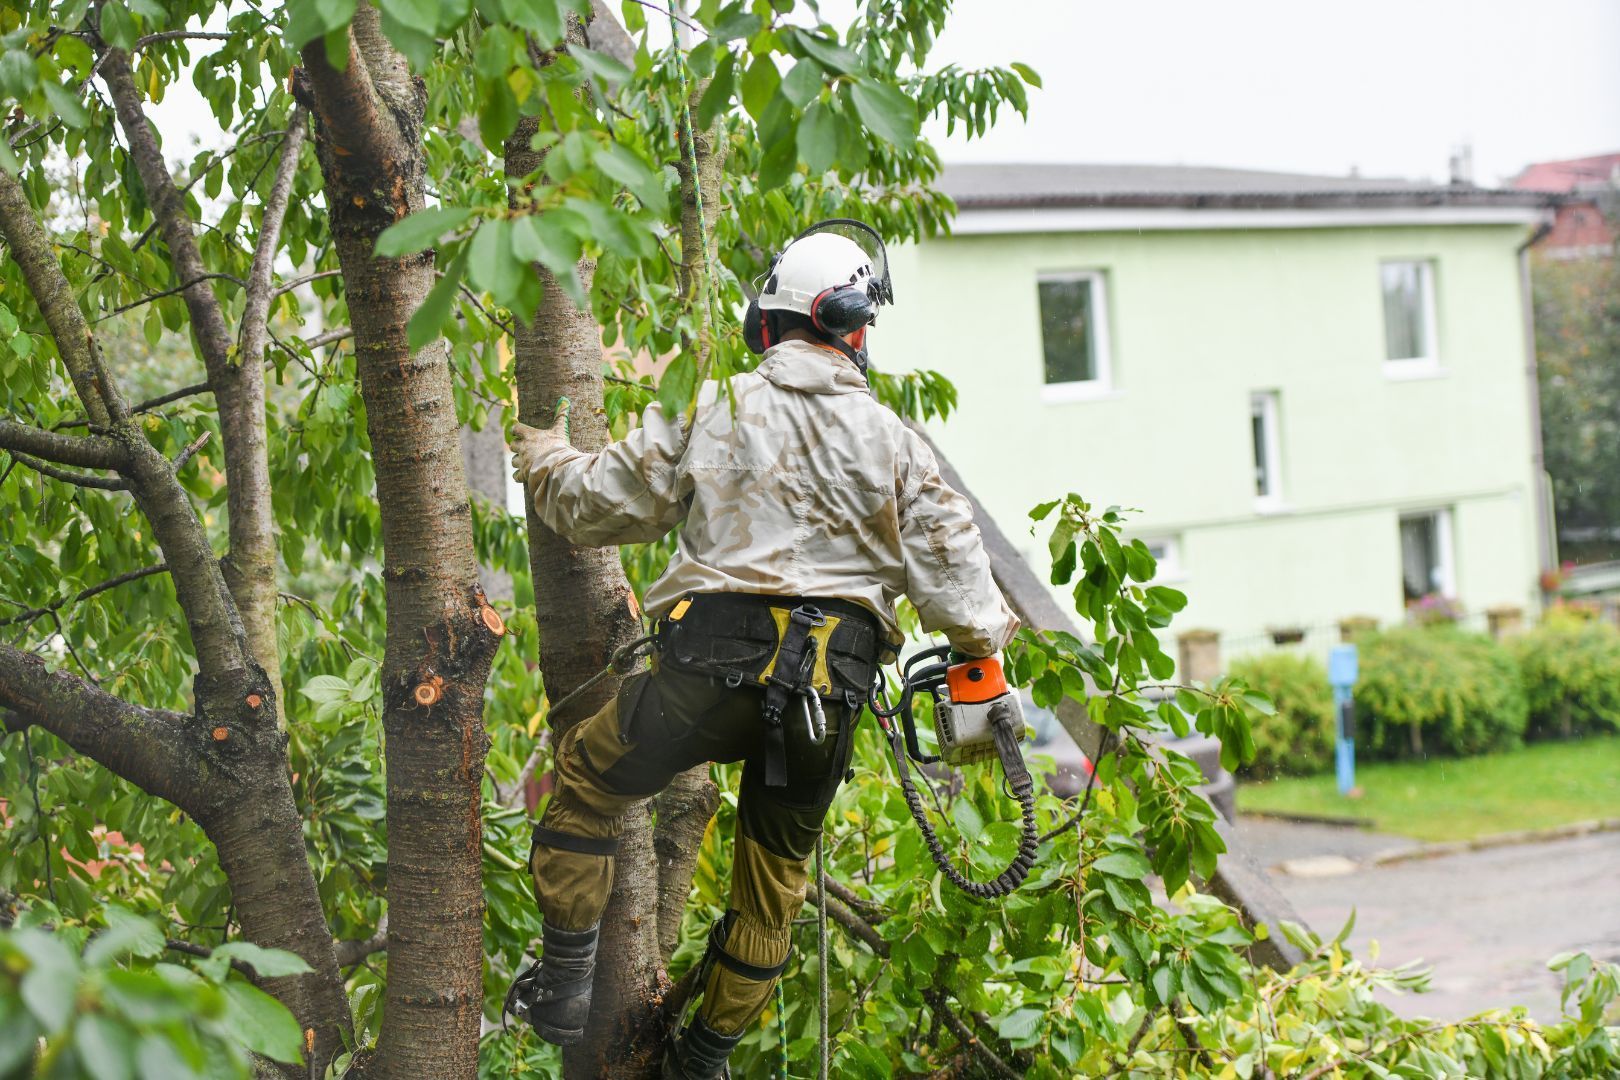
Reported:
(1319, 391)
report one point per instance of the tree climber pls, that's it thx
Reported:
(806, 509)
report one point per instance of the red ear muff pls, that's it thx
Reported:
(841, 310)
(756, 329)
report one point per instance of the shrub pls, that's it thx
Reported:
(1426, 690)
(1296, 740)
(1571, 671)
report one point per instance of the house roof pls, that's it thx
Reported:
(1017, 186)
(1575, 174)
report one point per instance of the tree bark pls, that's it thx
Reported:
(238, 385)
(226, 763)
(442, 633)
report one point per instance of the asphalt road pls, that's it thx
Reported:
(1485, 921)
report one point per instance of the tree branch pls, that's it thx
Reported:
(179, 35)
(168, 207)
(67, 476)
(350, 953)
(85, 594)
(965, 1035)
(31, 249)
(148, 747)
(133, 304)
(844, 916)
(259, 288)
(151, 403)
(86, 452)
(351, 114)
(289, 286)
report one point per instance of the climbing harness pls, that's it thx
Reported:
(976, 717)
(800, 652)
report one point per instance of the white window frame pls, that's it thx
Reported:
(1267, 405)
(1082, 389)
(1170, 568)
(1428, 365)
(1446, 565)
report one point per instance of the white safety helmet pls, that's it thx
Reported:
(835, 274)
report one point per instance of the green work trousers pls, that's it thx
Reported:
(660, 724)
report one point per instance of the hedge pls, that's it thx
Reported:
(1570, 666)
(1296, 740)
(1429, 690)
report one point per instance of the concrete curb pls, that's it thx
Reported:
(1496, 840)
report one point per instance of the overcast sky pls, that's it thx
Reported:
(1389, 87)
(1386, 86)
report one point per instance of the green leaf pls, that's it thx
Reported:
(543, 18)
(497, 113)
(803, 83)
(492, 266)
(419, 15)
(836, 58)
(1043, 509)
(818, 138)
(261, 1023)
(1125, 864)
(1020, 1024)
(615, 230)
(886, 111)
(310, 19)
(126, 934)
(18, 74)
(51, 981)
(759, 85)
(430, 318)
(717, 98)
(118, 25)
(420, 231)
(549, 240)
(628, 169)
(104, 1048)
(158, 1058)
(736, 24)
(266, 963)
(600, 67)
(1026, 73)
(777, 165)
(324, 688)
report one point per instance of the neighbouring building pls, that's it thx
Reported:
(1582, 226)
(1319, 391)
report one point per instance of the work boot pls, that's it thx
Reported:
(554, 995)
(699, 1053)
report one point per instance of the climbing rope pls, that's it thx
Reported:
(690, 151)
(821, 945)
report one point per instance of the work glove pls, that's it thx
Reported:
(529, 443)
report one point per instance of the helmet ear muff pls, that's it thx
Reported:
(756, 329)
(842, 310)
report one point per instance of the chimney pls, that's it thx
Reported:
(1462, 166)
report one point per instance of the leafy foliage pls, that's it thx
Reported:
(107, 1004)
(1577, 312)
(1437, 689)
(1571, 668)
(1296, 740)
(1084, 968)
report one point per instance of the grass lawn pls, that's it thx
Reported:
(1460, 798)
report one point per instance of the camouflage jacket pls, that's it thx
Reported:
(809, 487)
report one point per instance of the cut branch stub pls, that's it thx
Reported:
(429, 691)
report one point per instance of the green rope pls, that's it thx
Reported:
(781, 1033)
(708, 283)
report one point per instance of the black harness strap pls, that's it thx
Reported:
(717, 953)
(795, 666)
(582, 845)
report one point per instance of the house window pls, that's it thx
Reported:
(1426, 564)
(1263, 438)
(1166, 552)
(1074, 333)
(1409, 338)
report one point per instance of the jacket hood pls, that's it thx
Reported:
(811, 369)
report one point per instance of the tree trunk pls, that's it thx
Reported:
(442, 633)
(226, 763)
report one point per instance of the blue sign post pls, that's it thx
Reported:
(1342, 673)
